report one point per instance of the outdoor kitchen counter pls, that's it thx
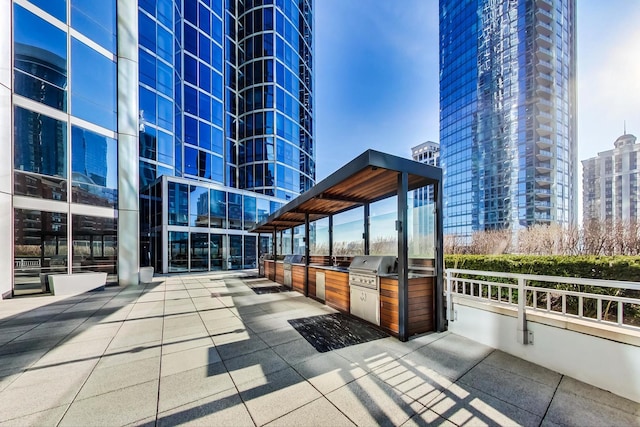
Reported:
(336, 286)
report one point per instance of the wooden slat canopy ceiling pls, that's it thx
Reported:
(370, 177)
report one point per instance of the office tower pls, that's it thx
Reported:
(610, 183)
(508, 114)
(148, 133)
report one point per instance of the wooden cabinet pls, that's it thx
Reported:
(421, 305)
(337, 290)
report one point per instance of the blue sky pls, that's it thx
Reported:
(376, 83)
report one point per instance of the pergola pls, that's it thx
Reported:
(370, 177)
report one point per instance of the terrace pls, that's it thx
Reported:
(207, 349)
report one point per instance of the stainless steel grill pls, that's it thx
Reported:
(365, 270)
(287, 263)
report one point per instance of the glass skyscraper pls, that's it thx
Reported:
(508, 113)
(149, 133)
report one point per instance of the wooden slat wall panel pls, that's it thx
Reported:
(279, 273)
(389, 305)
(269, 270)
(297, 277)
(312, 281)
(337, 290)
(420, 305)
(319, 259)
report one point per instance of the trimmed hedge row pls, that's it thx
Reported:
(625, 268)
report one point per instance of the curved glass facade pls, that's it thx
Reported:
(228, 118)
(507, 113)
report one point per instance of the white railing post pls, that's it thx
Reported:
(449, 300)
(523, 334)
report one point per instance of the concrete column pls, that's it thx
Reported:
(6, 156)
(128, 177)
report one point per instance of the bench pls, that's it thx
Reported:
(75, 284)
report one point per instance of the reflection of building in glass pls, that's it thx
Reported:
(610, 183)
(508, 113)
(423, 198)
(223, 112)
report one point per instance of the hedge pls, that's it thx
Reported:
(625, 268)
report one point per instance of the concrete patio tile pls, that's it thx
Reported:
(117, 355)
(427, 418)
(253, 366)
(138, 332)
(199, 292)
(207, 303)
(6, 380)
(276, 394)
(63, 373)
(515, 389)
(107, 379)
(537, 373)
(582, 390)
(264, 325)
(279, 336)
(17, 362)
(411, 375)
(173, 345)
(464, 405)
(369, 401)
(453, 355)
(193, 385)
(234, 344)
(212, 315)
(124, 406)
(48, 392)
(329, 371)
(374, 354)
(320, 412)
(186, 360)
(183, 326)
(28, 345)
(75, 351)
(222, 409)
(151, 297)
(297, 351)
(182, 294)
(146, 310)
(48, 417)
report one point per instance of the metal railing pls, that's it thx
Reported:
(591, 300)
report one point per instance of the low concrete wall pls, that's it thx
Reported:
(610, 361)
(74, 284)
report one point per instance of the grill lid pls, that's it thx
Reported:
(293, 259)
(372, 264)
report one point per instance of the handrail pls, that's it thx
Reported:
(527, 296)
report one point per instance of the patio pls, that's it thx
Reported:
(207, 350)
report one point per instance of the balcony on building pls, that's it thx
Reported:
(544, 117)
(544, 142)
(544, 15)
(544, 130)
(544, 53)
(544, 41)
(544, 28)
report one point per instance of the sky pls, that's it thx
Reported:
(376, 76)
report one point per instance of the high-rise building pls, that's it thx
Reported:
(610, 183)
(154, 133)
(508, 113)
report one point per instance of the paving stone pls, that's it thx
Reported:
(124, 406)
(572, 386)
(329, 371)
(222, 409)
(107, 379)
(236, 344)
(464, 405)
(509, 387)
(320, 412)
(410, 375)
(279, 336)
(537, 373)
(190, 386)
(453, 355)
(48, 417)
(254, 365)
(297, 351)
(427, 418)
(185, 360)
(369, 401)
(276, 394)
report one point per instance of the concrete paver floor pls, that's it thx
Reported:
(205, 350)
